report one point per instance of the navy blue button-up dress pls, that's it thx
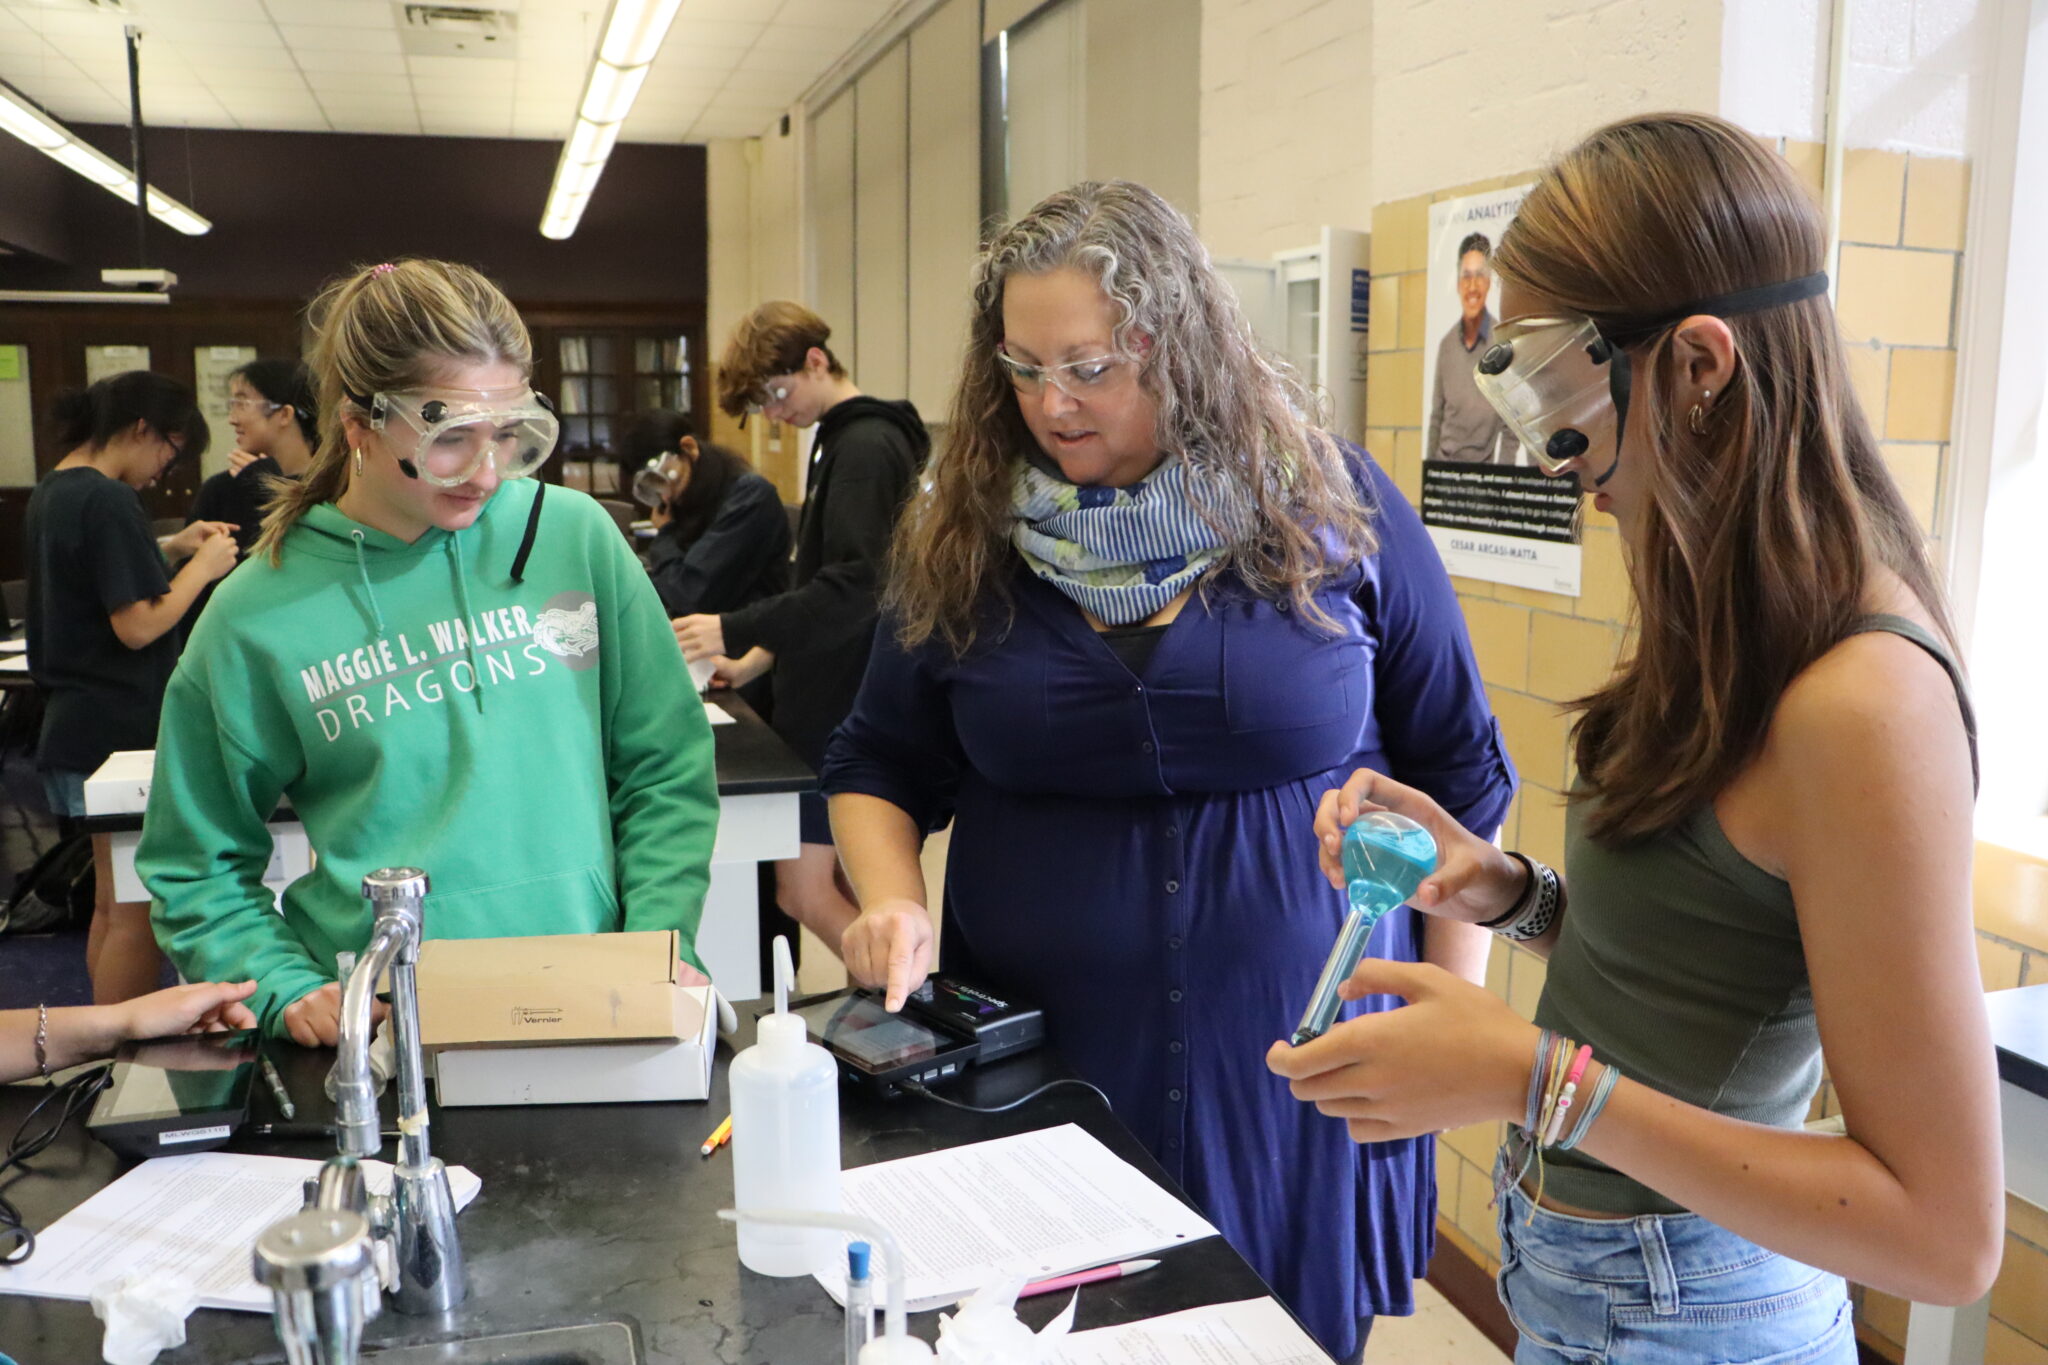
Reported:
(1135, 853)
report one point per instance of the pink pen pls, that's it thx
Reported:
(1080, 1277)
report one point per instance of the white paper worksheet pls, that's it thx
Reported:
(196, 1216)
(1042, 1203)
(1254, 1332)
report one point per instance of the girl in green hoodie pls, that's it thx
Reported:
(437, 666)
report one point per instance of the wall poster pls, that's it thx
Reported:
(1493, 514)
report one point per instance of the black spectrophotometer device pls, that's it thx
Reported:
(1002, 1026)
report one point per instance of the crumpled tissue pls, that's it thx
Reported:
(144, 1314)
(987, 1330)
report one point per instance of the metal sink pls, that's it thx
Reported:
(603, 1343)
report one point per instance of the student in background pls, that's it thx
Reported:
(721, 537)
(816, 637)
(441, 662)
(277, 427)
(103, 615)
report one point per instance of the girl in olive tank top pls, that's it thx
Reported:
(1769, 842)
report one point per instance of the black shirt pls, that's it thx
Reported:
(742, 557)
(238, 499)
(1134, 646)
(864, 464)
(90, 553)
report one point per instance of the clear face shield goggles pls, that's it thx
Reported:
(444, 436)
(1562, 384)
(656, 483)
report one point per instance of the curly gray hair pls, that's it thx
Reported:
(1274, 486)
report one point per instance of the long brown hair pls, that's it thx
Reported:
(1273, 486)
(1760, 536)
(389, 327)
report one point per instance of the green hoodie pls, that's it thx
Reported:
(533, 745)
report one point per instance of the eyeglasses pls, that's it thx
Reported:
(1079, 380)
(263, 405)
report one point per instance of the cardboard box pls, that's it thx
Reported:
(563, 1019)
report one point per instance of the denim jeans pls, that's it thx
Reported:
(1669, 1289)
(64, 790)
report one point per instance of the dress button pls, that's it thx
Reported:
(1173, 1143)
(1138, 691)
(1173, 831)
(1172, 888)
(1173, 1095)
(1173, 942)
(1148, 746)
(1175, 1047)
(1174, 996)
(1282, 605)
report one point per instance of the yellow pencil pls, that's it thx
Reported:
(718, 1137)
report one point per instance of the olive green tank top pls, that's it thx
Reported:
(1680, 962)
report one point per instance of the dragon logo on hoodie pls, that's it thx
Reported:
(567, 629)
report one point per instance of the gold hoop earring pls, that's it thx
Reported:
(1697, 418)
(359, 459)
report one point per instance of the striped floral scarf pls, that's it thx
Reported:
(1120, 553)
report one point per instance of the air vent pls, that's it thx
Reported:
(456, 31)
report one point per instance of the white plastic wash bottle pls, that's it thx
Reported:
(785, 1137)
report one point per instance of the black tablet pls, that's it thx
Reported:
(169, 1096)
(878, 1048)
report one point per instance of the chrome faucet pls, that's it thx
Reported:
(320, 1264)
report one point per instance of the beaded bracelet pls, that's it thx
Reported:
(43, 1041)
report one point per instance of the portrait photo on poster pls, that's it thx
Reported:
(1493, 514)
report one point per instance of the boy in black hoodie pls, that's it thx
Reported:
(865, 459)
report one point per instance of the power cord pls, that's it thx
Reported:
(76, 1096)
(917, 1089)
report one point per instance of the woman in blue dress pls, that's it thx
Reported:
(1140, 619)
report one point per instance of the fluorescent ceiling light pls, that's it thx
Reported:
(21, 118)
(609, 96)
(633, 34)
(634, 31)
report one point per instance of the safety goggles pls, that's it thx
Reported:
(444, 436)
(771, 392)
(1079, 380)
(654, 485)
(1548, 378)
(259, 405)
(1562, 383)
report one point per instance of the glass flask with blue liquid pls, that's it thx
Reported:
(1386, 857)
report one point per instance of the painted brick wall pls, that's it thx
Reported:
(1286, 126)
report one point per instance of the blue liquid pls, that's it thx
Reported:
(1386, 857)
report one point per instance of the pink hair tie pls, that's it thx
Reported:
(384, 269)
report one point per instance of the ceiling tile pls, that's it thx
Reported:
(458, 67)
(231, 11)
(196, 33)
(230, 70)
(714, 32)
(339, 38)
(364, 83)
(768, 57)
(354, 13)
(760, 87)
(369, 63)
(396, 122)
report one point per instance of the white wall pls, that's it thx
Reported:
(1469, 91)
(1913, 68)
(1286, 123)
